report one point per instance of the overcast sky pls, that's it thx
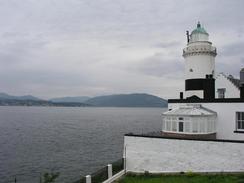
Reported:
(54, 48)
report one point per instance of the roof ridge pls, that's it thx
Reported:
(236, 83)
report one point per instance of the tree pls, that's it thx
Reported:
(49, 177)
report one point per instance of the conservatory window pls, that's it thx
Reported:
(163, 126)
(240, 121)
(187, 126)
(174, 126)
(194, 127)
(168, 125)
(202, 126)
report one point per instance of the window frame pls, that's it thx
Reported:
(241, 120)
(221, 92)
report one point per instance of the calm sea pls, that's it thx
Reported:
(72, 141)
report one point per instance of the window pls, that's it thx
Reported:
(194, 127)
(240, 121)
(202, 126)
(197, 124)
(174, 126)
(187, 127)
(163, 125)
(221, 92)
(168, 126)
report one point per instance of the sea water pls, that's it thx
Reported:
(73, 141)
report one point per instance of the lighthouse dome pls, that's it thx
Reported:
(198, 34)
(199, 29)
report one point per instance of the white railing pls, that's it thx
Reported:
(111, 177)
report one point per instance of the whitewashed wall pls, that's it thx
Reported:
(190, 93)
(231, 90)
(170, 155)
(200, 64)
(226, 118)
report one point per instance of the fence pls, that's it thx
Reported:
(104, 173)
(100, 175)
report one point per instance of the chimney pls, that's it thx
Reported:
(209, 88)
(242, 83)
(242, 91)
(242, 76)
(181, 95)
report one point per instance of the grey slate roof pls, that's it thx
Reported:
(235, 81)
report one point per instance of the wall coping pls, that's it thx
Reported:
(189, 139)
(216, 100)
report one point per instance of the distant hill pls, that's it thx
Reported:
(122, 100)
(128, 100)
(5, 96)
(13, 102)
(29, 100)
(81, 99)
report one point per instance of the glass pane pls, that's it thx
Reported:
(202, 126)
(187, 127)
(242, 115)
(210, 126)
(163, 125)
(174, 126)
(239, 125)
(242, 125)
(194, 127)
(168, 126)
(238, 116)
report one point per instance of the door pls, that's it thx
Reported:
(181, 126)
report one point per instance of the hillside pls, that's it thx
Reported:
(29, 100)
(13, 102)
(122, 100)
(128, 100)
(81, 99)
(5, 96)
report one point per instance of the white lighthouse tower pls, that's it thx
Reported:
(199, 64)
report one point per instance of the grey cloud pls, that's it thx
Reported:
(233, 49)
(167, 44)
(230, 66)
(242, 60)
(160, 66)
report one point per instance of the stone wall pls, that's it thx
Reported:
(158, 155)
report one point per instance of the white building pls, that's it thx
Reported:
(201, 132)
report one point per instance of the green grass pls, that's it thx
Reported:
(186, 178)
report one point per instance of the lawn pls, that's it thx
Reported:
(186, 178)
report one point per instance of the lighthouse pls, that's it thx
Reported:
(199, 56)
(213, 106)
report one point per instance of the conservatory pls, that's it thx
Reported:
(190, 119)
